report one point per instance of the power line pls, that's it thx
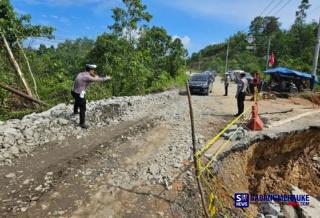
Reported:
(274, 8)
(266, 8)
(283, 6)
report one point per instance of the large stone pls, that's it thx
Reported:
(62, 121)
(28, 133)
(270, 208)
(10, 132)
(14, 150)
(8, 141)
(289, 212)
(311, 210)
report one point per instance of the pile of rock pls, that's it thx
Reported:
(235, 132)
(22, 136)
(274, 210)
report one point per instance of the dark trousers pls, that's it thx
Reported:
(226, 89)
(240, 100)
(79, 103)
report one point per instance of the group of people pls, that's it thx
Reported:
(90, 75)
(242, 85)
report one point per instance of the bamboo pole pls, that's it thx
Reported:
(194, 150)
(16, 65)
(30, 70)
(17, 92)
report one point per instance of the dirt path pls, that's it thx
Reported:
(137, 168)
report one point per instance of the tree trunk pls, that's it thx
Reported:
(17, 92)
(16, 66)
(30, 70)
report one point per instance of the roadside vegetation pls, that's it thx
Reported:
(140, 58)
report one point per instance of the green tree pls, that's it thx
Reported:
(13, 30)
(261, 28)
(301, 14)
(177, 57)
(18, 27)
(126, 21)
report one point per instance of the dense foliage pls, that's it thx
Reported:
(292, 48)
(141, 59)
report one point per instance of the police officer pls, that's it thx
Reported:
(241, 92)
(78, 91)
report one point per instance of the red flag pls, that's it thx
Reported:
(271, 60)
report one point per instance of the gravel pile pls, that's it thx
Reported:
(19, 137)
(173, 155)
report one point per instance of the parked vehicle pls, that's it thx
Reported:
(201, 83)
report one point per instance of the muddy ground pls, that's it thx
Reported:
(142, 167)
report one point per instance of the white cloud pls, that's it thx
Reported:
(186, 41)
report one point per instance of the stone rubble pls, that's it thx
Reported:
(19, 137)
(273, 209)
(308, 211)
(270, 208)
(235, 132)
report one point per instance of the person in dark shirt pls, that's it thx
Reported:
(78, 91)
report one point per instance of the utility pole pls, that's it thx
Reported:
(316, 55)
(227, 56)
(268, 52)
(199, 63)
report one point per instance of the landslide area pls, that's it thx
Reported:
(272, 166)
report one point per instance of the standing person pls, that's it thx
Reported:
(241, 93)
(78, 91)
(226, 83)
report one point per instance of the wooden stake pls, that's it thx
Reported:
(194, 150)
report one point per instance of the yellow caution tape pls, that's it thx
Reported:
(212, 208)
(219, 150)
(212, 141)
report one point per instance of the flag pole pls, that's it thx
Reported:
(268, 51)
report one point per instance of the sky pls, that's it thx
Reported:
(197, 22)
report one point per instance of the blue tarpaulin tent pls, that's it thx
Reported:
(288, 72)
